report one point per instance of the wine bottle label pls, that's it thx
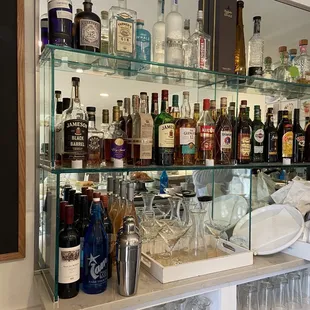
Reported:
(187, 140)
(301, 142)
(226, 137)
(244, 149)
(259, 136)
(118, 149)
(287, 144)
(90, 33)
(124, 35)
(69, 265)
(258, 149)
(166, 135)
(75, 136)
(207, 137)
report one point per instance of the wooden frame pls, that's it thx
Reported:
(21, 137)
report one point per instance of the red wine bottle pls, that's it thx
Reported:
(69, 258)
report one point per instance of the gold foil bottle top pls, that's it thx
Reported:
(282, 49)
(116, 114)
(303, 42)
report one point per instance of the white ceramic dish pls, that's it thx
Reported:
(274, 228)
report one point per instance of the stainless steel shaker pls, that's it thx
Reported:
(128, 256)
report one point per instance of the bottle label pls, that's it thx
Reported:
(273, 144)
(64, 15)
(187, 140)
(287, 144)
(244, 149)
(143, 46)
(75, 136)
(90, 33)
(207, 138)
(259, 136)
(301, 143)
(118, 149)
(166, 135)
(94, 144)
(69, 265)
(59, 4)
(97, 269)
(226, 137)
(258, 149)
(203, 54)
(124, 35)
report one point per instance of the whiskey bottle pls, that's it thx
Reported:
(185, 135)
(88, 29)
(75, 131)
(175, 110)
(95, 140)
(126, 113)
(205, 135)
(154, 108)
(142, 135)
(298, 139)
(258, 137)
(244, 136)
(223, 136)
(285, 134)
(164, 135)
(196, 112)
(271, 139)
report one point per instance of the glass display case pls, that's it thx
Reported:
(99, 75)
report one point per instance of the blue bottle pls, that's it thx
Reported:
(143, 44)
(96, 249)
(164, 182)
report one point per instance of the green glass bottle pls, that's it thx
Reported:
(258, 136)
(164, 134)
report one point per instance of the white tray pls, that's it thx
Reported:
(237, 257)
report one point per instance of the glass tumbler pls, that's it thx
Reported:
(266, 296)
(249, 297)
(148, 199)
(294, 291)
(281, 292)
(305, 284)
(199, 303)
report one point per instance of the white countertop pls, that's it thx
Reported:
(152, 292)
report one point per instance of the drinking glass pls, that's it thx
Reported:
(281, 292)
(175, 204)
(199, 303)
(148, 199)
(306, 286)
(266, 296)
(249, 297)
(294, 291)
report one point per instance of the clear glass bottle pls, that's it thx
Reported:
(294, 72)
(256, 50)
(185, 135)
(95, 140)
(205, 135)
(174, 40)
(175, 110)
(268, 72)
(281, 73)
(105, 32)
(302, 61)
(187, 46)
(118, 220)
(201, 45)
(75, 130)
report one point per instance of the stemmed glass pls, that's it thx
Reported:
(175, 204)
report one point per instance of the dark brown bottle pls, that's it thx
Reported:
(285, 138)
(280, 114)
(271, 139)
(307, 142)
(258, 137)
(126, 113)
(244, 136)
(87, 27)
(298, 139)
(233, 121)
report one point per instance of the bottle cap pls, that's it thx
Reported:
(200, 15)
(105, 116)
(286, 161)
(69, 215)
(140, 22)
(91, 110)
(240, 4)
(187, 23)
(154, 96)
(213, 104)
(303, 42)
(206, 104)
(293, 51)
(77, 164)
(57, 93)
(164, 94)
(104, 14)
(223, 102)
(257, 18)
(186, 93)
(244, 103)
(282, 49)
(66, 103)
(63, 205)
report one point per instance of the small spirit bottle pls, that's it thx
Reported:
(256, 50)
(281, 73)
(105, 32)
(88, 29)
(271, 139)
(302, 62)
(75, 131)
(143, 42)
(258, 136)
(240, 45)
(298, 139)
(185, 135)
(244, 136)
(175, 110)
(187, 46)
(95, 140)
(118, 220)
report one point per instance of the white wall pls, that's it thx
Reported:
(17, 290)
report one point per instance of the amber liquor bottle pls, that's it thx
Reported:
(185, 135)
(196, 112)
(223, 136)
(298, 139)
(244, 136)
(271, 139)
(285, 137)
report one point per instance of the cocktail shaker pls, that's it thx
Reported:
(128, 256)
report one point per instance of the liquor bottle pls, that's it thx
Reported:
(119, 142)
(258, 137)
(82, 226)
(66, 191)
(95, 140)
(307, 142)
(185, 135)
(107, 136)
(244, 136)
(60, 22)
(268, 72)
(143, 42)
(87, 29)
(57, 128)
(285, 138)
(62, 208)
(77, 206)
(233, 121)
(293, 70)
(205, 135)
(71, 196)
(281, 72)
(174, 39)
(130, 209)
(223, 136)
(126, 113)
(271, 139)
(108, 227)
(96, 243)
(75, 131)
(154, 108)
(187, 46)
(129, 124)
(256, 50)
(142, 135)
(122, 36)
(298, 139)
(164, 135)
(280, 116)
(116, 199)
(159, 39)
(196, 112)
(118, 220)
(302, 62)
(104, 32)
(120, 105)
(213, 110)
(240, 45)
(248, 116)
(175, 110)
(44, 31)
(201, 45)
(69, 258)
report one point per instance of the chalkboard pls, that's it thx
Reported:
(12, 132)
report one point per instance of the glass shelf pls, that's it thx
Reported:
(72, 60)
(173, 168)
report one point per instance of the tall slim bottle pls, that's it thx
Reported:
(126, 113)
(307, 142)
(298, 139)
(154, 108)
(271, 138)
(258, 137)
(240, 64)
(244, 136)
(187, 46)
(285, 134)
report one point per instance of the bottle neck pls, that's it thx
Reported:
(270, 119)
(296, 119)
(186, 109)
(283, 58)
(75, 97)
(91, 121)
(303, 49)
(240, 16)
(164, 105)
(154, 107)
(143, 106)
(87, 7)
(104, 23)
(96, 211)
(175, 6)
(199, 26)
(257, 27)
(140, 26)
(223, 111)
(122, 4)
(161, 10)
